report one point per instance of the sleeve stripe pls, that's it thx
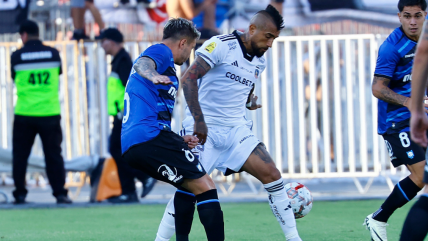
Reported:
(206, 57)
(383, 76)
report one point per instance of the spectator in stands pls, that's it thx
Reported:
(278, 4)
(78, 8)
(35, 70)
(187, 9)
(121, 65)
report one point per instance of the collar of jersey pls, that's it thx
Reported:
(247, 56)
(33, 42)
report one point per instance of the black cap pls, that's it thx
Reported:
(112, 34)
(29, 27)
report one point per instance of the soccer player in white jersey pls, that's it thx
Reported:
(218, 86)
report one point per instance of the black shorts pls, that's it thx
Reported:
(403, 150)
(166, 158)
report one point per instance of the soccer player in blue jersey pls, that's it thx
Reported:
(148, 144)
(391, 85)
(415, 227)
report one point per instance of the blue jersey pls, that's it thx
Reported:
(148, 107)
(395, 62)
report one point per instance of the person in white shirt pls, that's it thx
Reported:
(218, 86)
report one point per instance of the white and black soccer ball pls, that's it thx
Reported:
(300, 199)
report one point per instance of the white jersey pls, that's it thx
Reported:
(224, 90)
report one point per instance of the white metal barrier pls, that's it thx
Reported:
(318, 118)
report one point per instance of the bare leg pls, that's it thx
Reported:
(261, 166)
(96, 14)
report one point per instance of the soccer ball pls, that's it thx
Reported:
(300, 199)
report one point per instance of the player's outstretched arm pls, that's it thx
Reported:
(381, 91)
(419, 120)
(190, 89)
(146, 68)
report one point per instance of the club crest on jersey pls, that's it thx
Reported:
(210, 48)
(166, 171)
(199, 167)
(256, 73)
(410, 154)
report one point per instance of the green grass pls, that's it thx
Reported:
(247, 221)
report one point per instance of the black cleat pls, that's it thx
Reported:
(125, 198)
(63, 199)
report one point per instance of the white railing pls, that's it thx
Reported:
(318, 118)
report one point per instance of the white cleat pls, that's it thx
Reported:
(377, 229)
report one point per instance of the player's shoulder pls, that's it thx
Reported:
(395, 40)
(158, 48)
(221, 40)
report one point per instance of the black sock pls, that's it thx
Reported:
(415, 227)
(403, 192)
(184, 204)
(211, 215)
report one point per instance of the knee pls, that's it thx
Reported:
(418, 179)
(272, 175)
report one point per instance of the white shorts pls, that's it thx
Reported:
(225, 148)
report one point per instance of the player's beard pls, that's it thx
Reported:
(257, 51)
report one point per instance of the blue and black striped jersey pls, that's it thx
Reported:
(148, 107)
(394, 62)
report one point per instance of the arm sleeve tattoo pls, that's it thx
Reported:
(146, 68)
(386, 94)
(190, 86)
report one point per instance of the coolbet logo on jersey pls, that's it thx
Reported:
(407, 78)
(210, 48)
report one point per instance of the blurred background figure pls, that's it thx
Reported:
(78, 9)
(278, 4)
(188, 9)
(35, 70)
(121, 65)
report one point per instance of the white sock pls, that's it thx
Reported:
(167, 226)
(280, 205)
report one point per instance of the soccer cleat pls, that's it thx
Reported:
(377, 229)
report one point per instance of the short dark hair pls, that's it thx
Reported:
(29, 27)
(409, 3)
(275, 15)
(179, 28)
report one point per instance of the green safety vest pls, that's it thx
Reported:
(37, 87)
(115, 94)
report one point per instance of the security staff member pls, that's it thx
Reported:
(35, 70)
(112, 43)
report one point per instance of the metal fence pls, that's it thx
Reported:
(318, 118)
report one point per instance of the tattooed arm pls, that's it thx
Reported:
(381, 91)
(146, 68)
(190, 89)
(419, 120)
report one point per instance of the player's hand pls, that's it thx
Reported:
(161, 79)
(192, 141)
(253, 102)
(419, 127)
(200, 130)
(407, 104)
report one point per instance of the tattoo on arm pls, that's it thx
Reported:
(146, 68)
(261, 152)
(190, 86)
(386, 94)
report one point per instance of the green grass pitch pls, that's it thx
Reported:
(330, 221)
